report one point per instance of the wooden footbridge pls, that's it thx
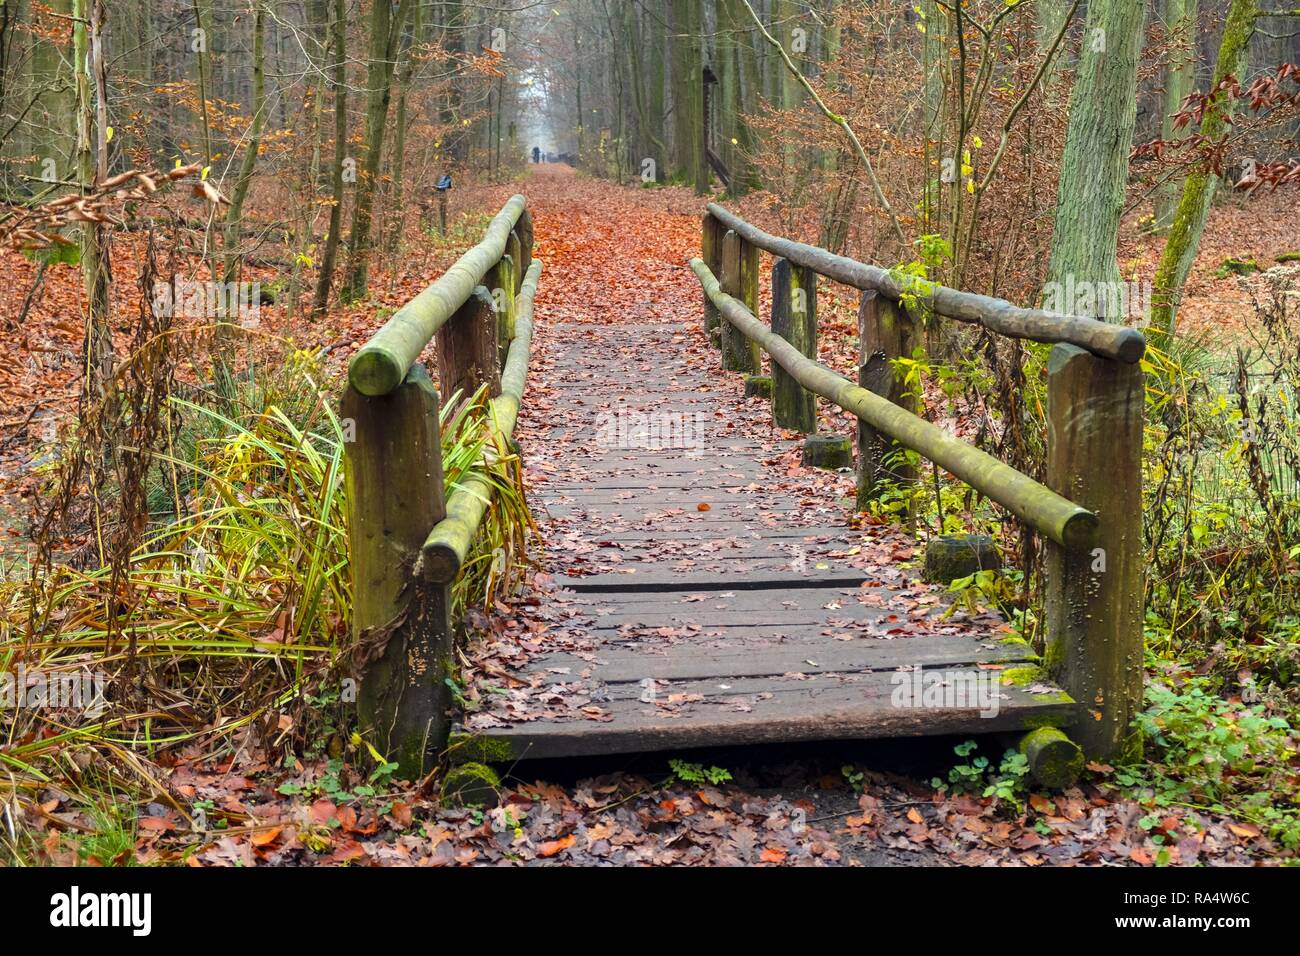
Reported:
(716, 599)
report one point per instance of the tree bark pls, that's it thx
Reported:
(1094, 167)
(1198, 189)
(339, 34)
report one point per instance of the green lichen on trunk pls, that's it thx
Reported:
(1198, 188)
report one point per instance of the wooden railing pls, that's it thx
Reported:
(407, 539)
(1089, 510)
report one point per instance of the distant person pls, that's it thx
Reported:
(537, 155)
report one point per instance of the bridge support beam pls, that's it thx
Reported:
(1094, 599)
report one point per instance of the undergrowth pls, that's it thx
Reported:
(232, 619)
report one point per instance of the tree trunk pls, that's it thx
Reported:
(386, 24)
(92, 165)
(235, 212)
(339, 41)
(1198, 188)
(1180, 77)
(688, 93)
(1094, 167)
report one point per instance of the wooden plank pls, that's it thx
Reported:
(813, 654)
(795, 711)
(652, 579)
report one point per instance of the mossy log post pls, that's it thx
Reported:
(467, 348)
(794, 318)
(515, 250)
(446, 546)
(831, 452)
(885, 333)
(996, 315)
(1056, 517)
(740, 280)
(524, 230)
(501, 281)
(1094, 597)
(402, 624)
(1054, 759)
(381, 365)
(711, 253)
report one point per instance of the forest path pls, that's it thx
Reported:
(706, 588)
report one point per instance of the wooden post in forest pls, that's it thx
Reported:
(740, 281)
(401, 624)
(1094, 597)
(524, 230)
(500, 281)
(885, 332)
(515, 250)
(467, 348)
(711, 253)
(794, 318)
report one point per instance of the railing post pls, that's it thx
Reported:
(401, 624)
(467, 347)
(794, 318)
(1094, 595)
(711, 253)
(524, 230)
(501, 282)
(740, 281)
(885, 332)
(515, 250)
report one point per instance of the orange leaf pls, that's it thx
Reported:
(773, 854)
(266, 837)
(556, 846)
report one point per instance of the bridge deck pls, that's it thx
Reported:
(716, 594)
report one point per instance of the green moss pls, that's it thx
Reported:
(1236, 267)
(1053, 655)
(1288, 257)
(758, 386)
(464, 748)
(1055, 760)
(1024, 675)
(471, 785)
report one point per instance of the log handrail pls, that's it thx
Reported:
(449, 542)
(1089, 505)
(1059, 518)
(382, 363)
(997, 315)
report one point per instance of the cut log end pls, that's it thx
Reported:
(1054, 759)
(440, 563)
(375, 371)
(831, 452)
(1131, 346)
